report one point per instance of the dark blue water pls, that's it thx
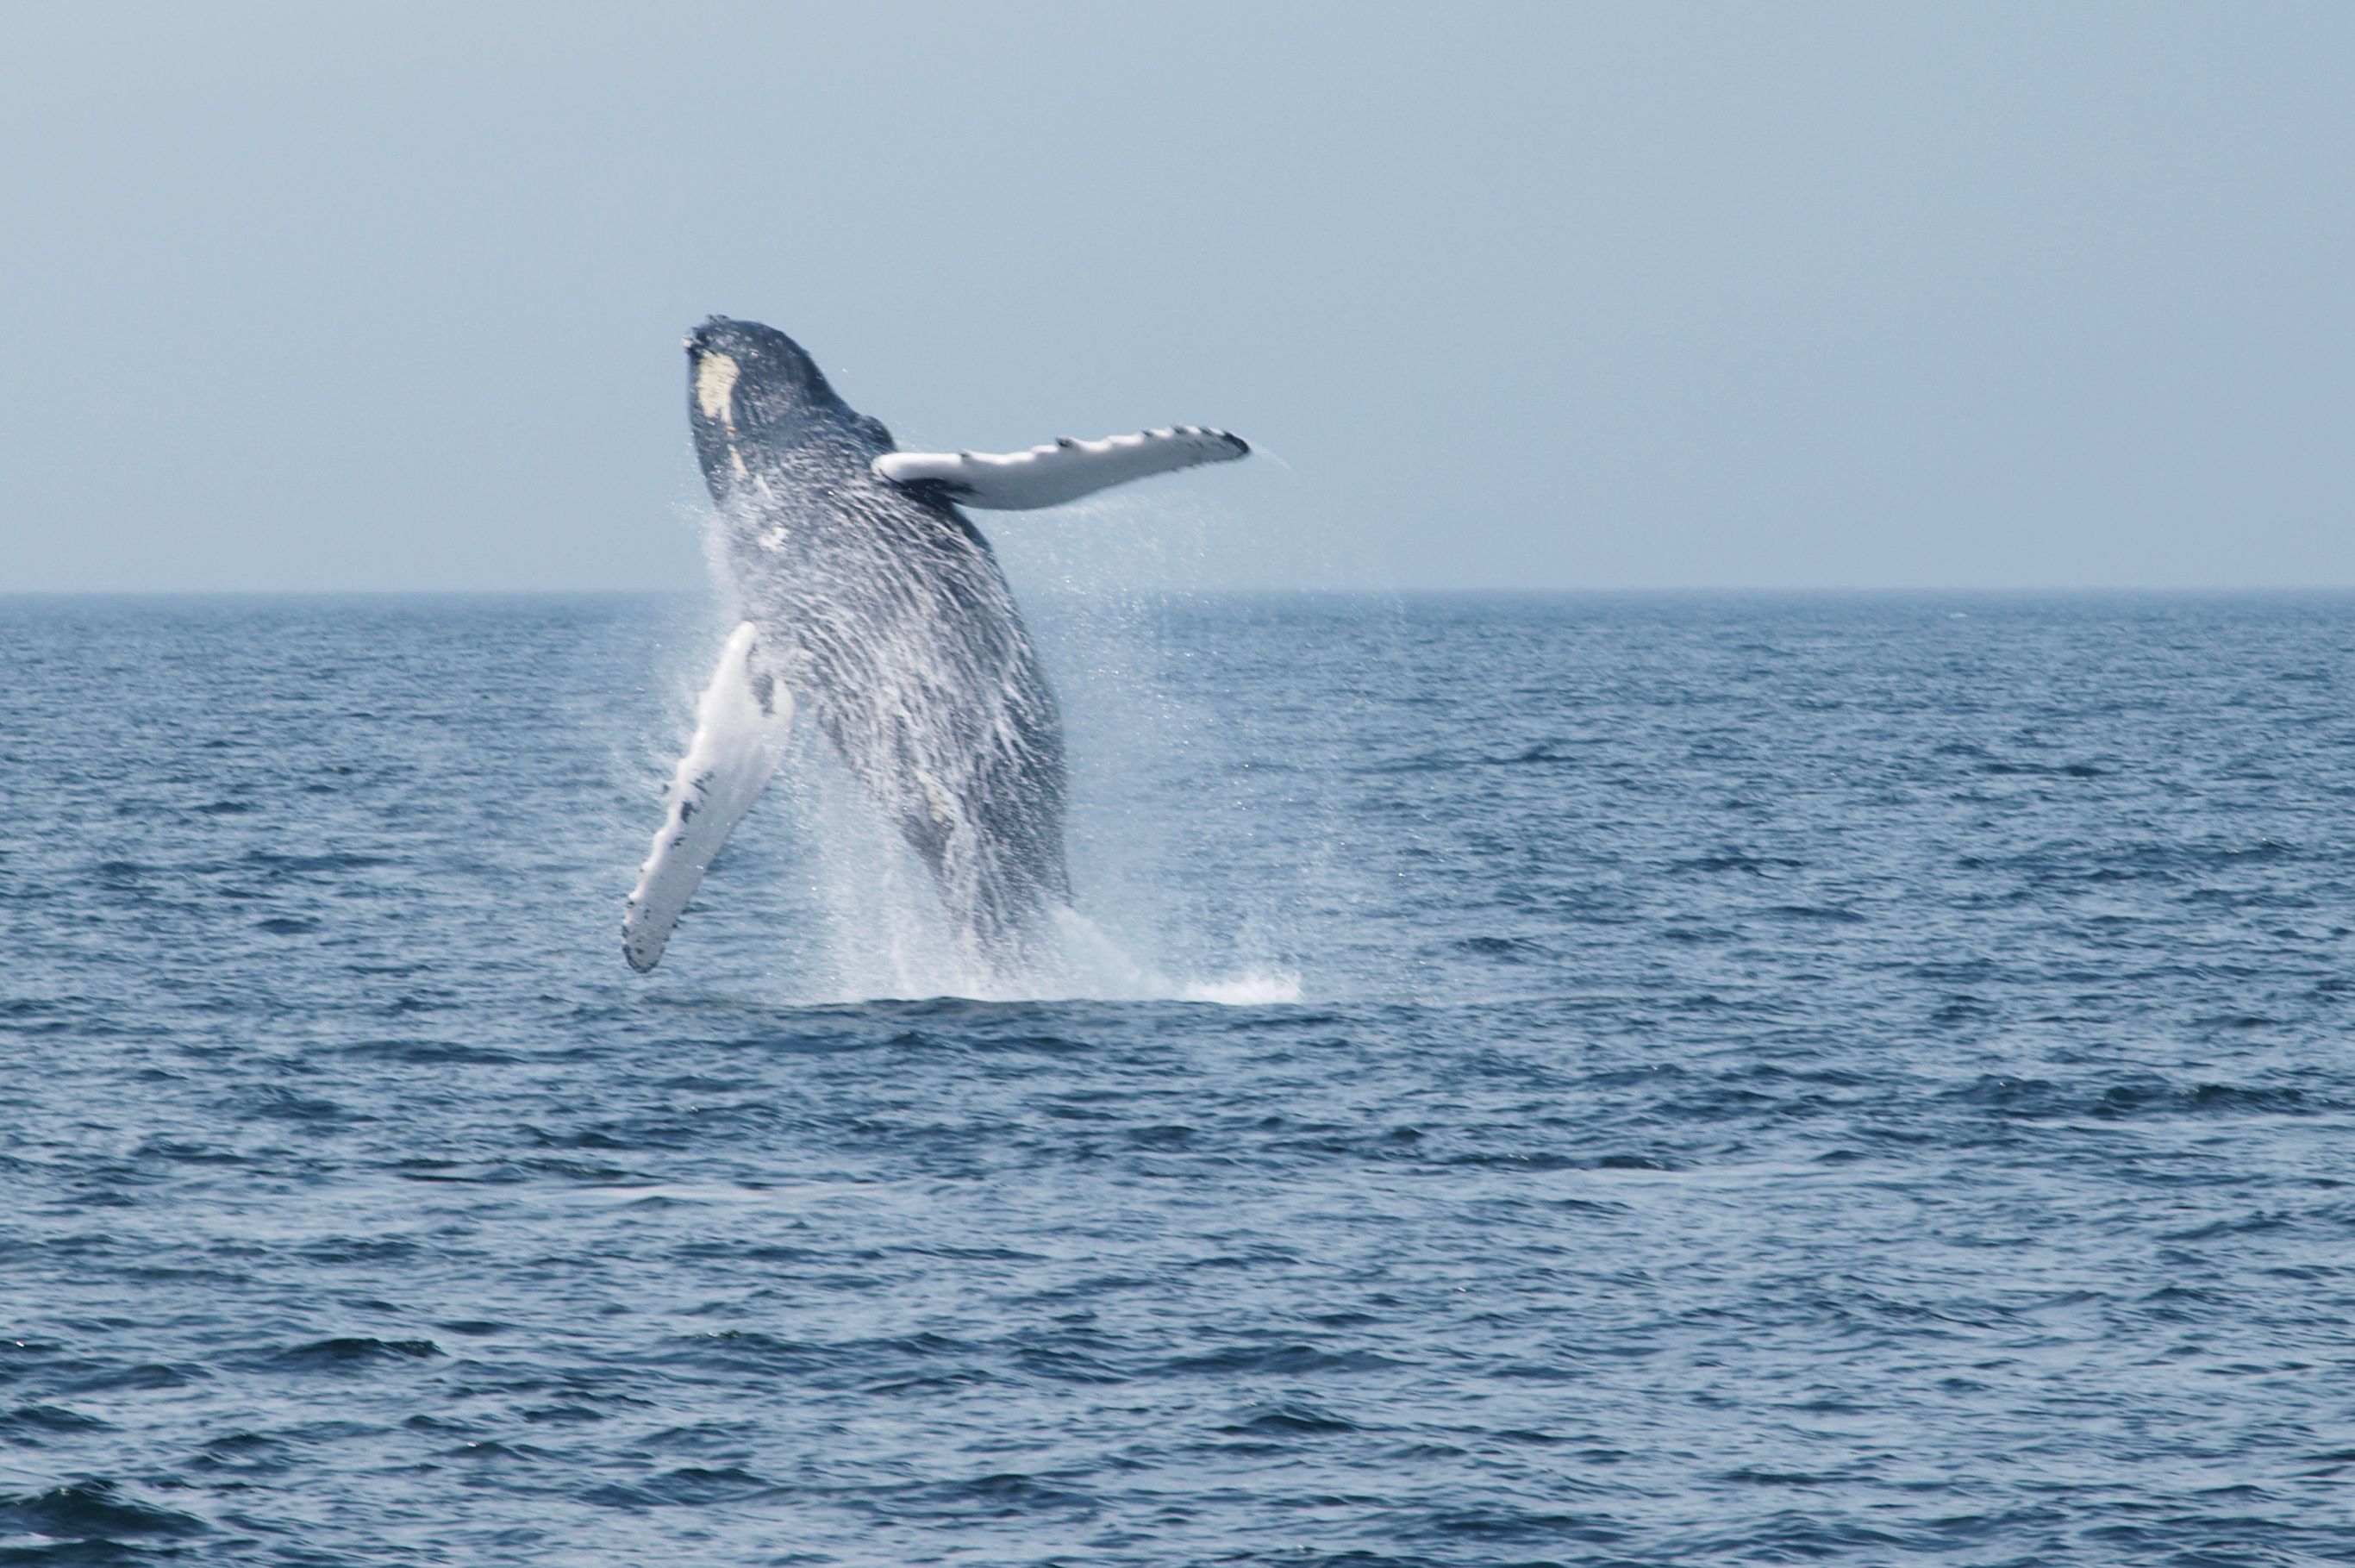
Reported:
(1772, 1081)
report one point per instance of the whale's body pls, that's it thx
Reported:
(869, 600)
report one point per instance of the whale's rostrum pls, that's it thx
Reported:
(871, 604)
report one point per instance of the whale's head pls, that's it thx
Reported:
(760, 405)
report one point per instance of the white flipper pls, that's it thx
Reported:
(1063, 471)
(741, 725)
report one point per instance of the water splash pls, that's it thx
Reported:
(862, 920)
(1094, 967)
(826, 902)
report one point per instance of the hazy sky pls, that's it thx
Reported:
(391, 296)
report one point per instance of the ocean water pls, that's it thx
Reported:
(1571, 1080)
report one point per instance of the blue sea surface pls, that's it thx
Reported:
(1582, 1081)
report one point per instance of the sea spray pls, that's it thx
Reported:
(862, 919)
(825, 903)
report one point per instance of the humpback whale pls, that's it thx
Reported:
(868, 602)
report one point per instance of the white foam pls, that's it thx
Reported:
(1245, 991)
(879, 935)
(1093, 967)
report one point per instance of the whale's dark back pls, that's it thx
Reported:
(884, 612)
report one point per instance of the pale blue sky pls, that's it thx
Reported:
(389, 296)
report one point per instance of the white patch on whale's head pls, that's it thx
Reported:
(715, 385)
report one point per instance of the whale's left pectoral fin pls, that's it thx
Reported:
(741, 725)
(1061, 471)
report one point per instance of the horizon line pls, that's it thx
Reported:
(2261, 589)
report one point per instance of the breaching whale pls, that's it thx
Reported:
(869, 603)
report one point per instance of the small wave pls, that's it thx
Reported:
(691, 1486)
(143, 1375)
(1287, 1420)
(1834, 915)
(277, 865)
(1283, 1361)
(2042, 770)
(355, 1351)
(49, 1418)
(1002, 1495)
(1735, 860)
(92, 1510)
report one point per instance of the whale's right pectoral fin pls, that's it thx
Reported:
(741, 725)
